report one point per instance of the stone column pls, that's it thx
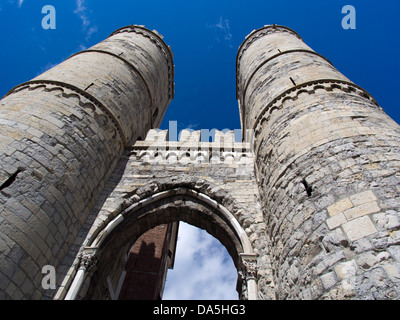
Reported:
(62, 135)
(249, 274)
(328, 170)
(86, 263)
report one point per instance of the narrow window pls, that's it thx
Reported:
(307, 187)
(10, 180)
(89, 86)
(155, 114)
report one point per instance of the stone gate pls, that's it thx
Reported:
(207, 184)
(306, 203)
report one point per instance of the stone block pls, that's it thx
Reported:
(363, 197)
(359, 228)
(361, 210)
(328, 280)
(393, 272)
(336, 221)
(395, 252)
(367, 260)
(345, 270)
(339, 206)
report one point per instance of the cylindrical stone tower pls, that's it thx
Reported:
(328, 169)
(62, 134)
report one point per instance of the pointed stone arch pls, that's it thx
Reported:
(155, 204)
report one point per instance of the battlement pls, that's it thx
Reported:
(191, 147)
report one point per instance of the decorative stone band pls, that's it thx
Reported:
(157, 149)
(240, 95)
(152, 157)
(309, 87)
(253, 36)
(87, 101)
(131, 66)
(157, 39)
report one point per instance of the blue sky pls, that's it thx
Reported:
(203, 269)
(204, 36)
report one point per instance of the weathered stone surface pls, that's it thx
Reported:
(62, 135)
(326, 159)
(307, 204)
(147, 170)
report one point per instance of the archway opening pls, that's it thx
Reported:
(203, 268)
(170, 265)
(114, 240)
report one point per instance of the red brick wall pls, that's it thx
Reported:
(146, 266)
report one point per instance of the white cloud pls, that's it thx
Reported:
(191, 126)
(81, 12)
(18, 2)
(221, 31)
(225, 27)
(48, 66)
(203, 269)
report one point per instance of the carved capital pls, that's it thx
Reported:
(249, 263)
(87, 259)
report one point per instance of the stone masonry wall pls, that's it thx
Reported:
(62, 134)
(156, 165)
(328, 168)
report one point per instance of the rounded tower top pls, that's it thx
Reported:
(280, 44)
(267, 29)
(158, 40)
(131, 73)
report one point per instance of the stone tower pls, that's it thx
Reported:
(307, 204)
(62, 135)
(327, 167)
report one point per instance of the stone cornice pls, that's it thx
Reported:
(92, 103)
(246, 85)
(310, 87)
(241, 95)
